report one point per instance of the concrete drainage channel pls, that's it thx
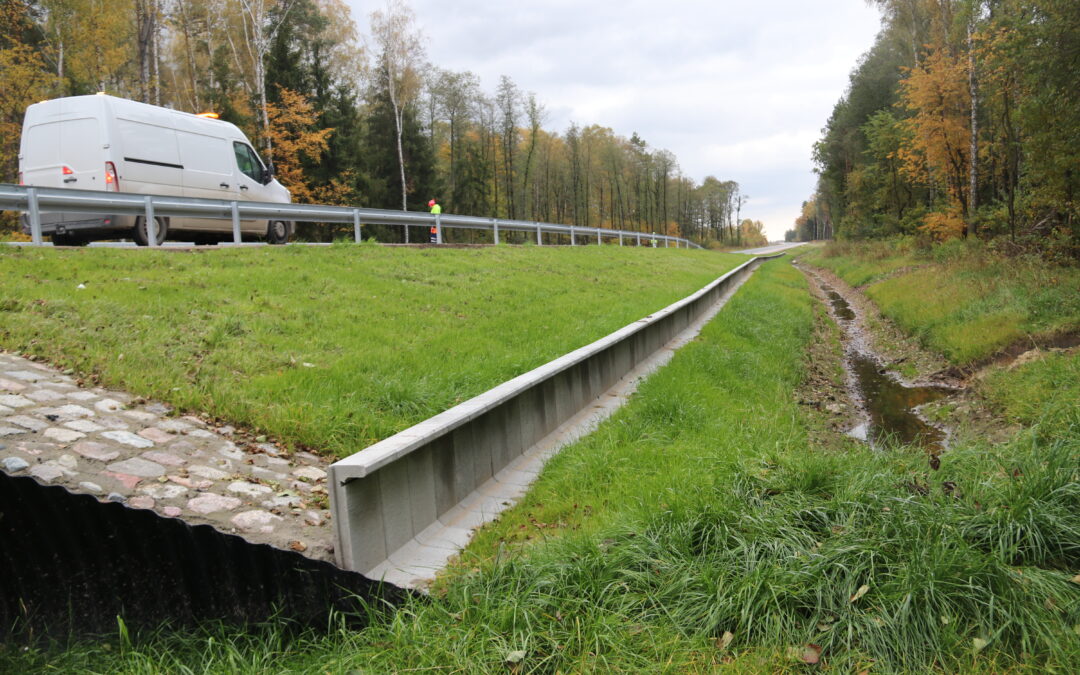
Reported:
(404, 506)
(401, 508)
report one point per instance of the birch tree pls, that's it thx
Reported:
(400, 58)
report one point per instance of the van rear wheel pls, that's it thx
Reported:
(277, 232)
(140, 235)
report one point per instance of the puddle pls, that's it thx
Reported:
(892, 408)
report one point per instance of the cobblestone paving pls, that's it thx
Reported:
(120, 448)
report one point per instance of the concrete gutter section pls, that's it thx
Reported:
(404, 506)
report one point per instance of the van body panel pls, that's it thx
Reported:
(155, 150)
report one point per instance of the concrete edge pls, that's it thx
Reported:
(379, 454)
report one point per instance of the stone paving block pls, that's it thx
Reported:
(92, 488)
(26, 422)
(230, 451)
(202, 433)
(108, 405)
(11, 431)
(141, 502)
(156, 435)
(211, 503)
(172, 511)
(255, 521)
(208, 472)
(127, 480)
(4, 410)
(62, 435)
(164, 491)
(85, 426)
(14, 464)
(15, 401)
(140, 416)
(114, 423)
(128, 438)
(11, 385)
(267, 474)
(193, 484)
(26, 375)
(73, 411)
(166, 458)
(47, 472)
(83, 396)
(45, 396)
(95, 450)
(251, 490)
(174, 426)
(310, 472)
(136, 466)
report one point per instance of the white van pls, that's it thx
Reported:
(107, 143)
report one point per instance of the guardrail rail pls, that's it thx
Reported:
(37, 200)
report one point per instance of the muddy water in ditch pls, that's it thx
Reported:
(890, 406)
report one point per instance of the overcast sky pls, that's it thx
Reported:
(738, 90)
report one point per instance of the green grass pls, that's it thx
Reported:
(330, 348)
(699, 510)
(961, 300)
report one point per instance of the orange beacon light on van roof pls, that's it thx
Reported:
(209, 115)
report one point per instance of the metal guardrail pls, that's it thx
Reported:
(36, 200)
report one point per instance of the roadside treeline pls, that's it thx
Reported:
(962, 120)
(373, 124)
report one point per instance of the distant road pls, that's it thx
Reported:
(772, 248)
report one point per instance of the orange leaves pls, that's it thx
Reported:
(944, 225)
(294, 138)
(936, 149)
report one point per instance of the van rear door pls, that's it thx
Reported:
(66, 153)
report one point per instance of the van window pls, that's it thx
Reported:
(248, 161)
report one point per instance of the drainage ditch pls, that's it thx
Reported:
(890, 408)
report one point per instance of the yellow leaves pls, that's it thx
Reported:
(935, 150)
(294, 138)
(23, 81)
(943, 226)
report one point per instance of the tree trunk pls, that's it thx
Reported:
(973, 165)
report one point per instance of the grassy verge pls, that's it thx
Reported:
(961, 300)
(332, 348)
(696, 530)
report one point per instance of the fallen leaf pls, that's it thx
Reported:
(298, 546)
(1076, 579)
(515, 656)
(979, 644)
(859, 593)
(811, 654)
(725, 640)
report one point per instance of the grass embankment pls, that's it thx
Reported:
(961, 299)
(332, 348)
(696, 528)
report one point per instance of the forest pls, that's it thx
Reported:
(962, 121)
(348, 120)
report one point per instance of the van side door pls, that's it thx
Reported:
(208, 174)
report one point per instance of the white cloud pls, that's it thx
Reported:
(735, 89)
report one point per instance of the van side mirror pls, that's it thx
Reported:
(267, 174)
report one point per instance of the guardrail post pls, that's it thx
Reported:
(356, 225)
(438, 229)
(151, 223)
(35, 216)
(539, 239)
(236, 223)
(495, 225)
(620, 237)
(599, 238)
(572, 242)
(406, 226)
(667, 242)
(639, 239)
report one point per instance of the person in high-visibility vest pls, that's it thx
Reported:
(654, 240)
(436, 209)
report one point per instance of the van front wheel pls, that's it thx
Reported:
(140, 235)
(277, 232)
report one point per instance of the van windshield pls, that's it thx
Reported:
(248, 161)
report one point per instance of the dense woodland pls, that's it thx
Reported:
(963, 120)
(370, 123)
